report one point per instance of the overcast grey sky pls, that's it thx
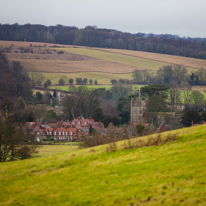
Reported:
(179, 17)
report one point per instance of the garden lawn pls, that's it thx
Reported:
(170, 174)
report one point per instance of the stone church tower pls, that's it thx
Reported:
(137, 109)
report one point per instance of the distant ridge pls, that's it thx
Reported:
(106, 38)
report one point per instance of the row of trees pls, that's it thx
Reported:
(169, 74)
(105, 38)
(79, 81)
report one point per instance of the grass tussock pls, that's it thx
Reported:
(98, 139)
(113, 136)
(156, 140)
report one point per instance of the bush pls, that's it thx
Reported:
(113, 81)
(48, 82)
(189, 116)
(61, 82)
(125, 117)
(71, 81)
(111, 119)
(203, 116)
(26, 152)
(140, 129)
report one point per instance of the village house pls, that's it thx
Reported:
(64, 131)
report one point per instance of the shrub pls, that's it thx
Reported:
(71, 81)
(151, 141)
(61, 82)
(140, 129)
(189, 116)
(111, 119)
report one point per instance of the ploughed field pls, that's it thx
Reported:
(170, 174)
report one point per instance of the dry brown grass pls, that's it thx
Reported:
(67, 66)
(27, 44)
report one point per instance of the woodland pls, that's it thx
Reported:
(92, 36)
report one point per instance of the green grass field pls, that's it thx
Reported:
(102, 78)
(66, 87)
(92, 87)
(171, 174)
(119, 58)
(46, 150)
(123, 59)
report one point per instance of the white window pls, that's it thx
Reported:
(85, 123)
(47, 133)
(59, 133)
(55, 138)
(37, 133)
(66, 133)
(38, 139)
(50, 133)
(73, 122)
(70, 133)
(78, 122)
(62, 133)
(55, 133)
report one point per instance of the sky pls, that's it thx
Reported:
(177, 17)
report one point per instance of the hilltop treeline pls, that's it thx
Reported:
(105, 38)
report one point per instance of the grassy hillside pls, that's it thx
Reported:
(171, 174)
(87, 58)
(170, 59)
(140, 63)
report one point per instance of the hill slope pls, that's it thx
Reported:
(48, 58)
(173, 174)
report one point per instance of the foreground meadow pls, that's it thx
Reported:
(170, 174)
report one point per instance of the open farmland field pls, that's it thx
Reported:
(48, 58)
(170, 174)
(138, 63)
(102, 78)
(91, 63)
(170, 59)
(66, 87)
(46, 150)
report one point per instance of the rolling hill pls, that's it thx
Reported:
(86, 62)
(170, 174)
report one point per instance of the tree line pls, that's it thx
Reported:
(79, 81)
(104, 38)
